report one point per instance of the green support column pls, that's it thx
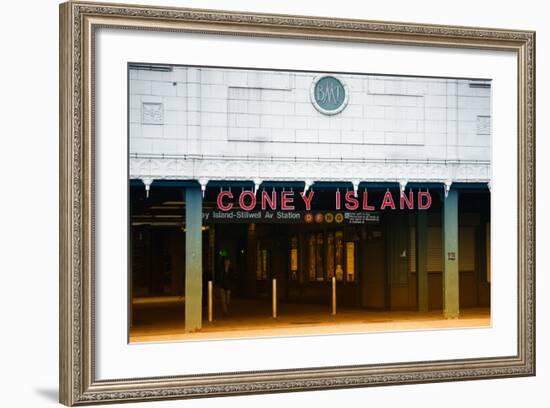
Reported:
(193, 259)
(422, 260)
(449, 226)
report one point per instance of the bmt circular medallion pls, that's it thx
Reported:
(329, 94)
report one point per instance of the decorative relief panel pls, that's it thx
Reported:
(152, 113)
(483, 125)
(213, 168)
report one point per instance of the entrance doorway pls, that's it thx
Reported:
(374, 287)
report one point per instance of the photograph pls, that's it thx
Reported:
(269, 202)
(260, 202)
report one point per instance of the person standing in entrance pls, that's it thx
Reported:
(225, 281)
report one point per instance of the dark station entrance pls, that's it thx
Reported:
(372, 258)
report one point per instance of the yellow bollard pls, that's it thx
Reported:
(210, 302)
(274, 297)
(333, 296)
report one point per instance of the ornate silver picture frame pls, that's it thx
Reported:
(79, 25)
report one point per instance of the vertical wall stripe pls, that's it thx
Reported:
(421, 253)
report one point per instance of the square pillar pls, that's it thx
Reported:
(422, 260)
(449, 226)
(193, 259)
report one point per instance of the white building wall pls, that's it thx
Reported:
(253, 116)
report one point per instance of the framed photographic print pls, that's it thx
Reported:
(256, 203)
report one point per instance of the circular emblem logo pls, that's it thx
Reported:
(339, 217)
(319, 217)
(329, 95)
(329, 217)
(308, 217)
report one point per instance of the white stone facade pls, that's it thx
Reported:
(217, 123)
